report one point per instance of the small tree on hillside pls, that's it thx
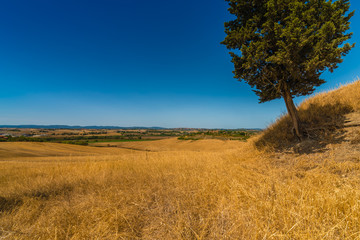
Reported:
(283, 46)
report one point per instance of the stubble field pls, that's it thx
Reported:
(210, 193)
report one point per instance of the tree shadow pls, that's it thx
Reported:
(8, 204)
(323, 124)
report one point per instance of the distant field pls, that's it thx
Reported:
(174, 144)
(122, 140)
(88, 136)
(9, 150)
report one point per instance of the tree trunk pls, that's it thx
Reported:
(293, 113)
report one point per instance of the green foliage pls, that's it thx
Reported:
(83, 143)
(219, 134)
(286, 44)
(73, 138)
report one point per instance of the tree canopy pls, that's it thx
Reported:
(283, 46)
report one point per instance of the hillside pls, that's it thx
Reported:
(328, 118)
(271, 187)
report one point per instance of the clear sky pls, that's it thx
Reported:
(130, 63)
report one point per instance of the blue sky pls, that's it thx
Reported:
(130, 63)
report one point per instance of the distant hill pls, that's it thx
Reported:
(75, 127)
(110, 127)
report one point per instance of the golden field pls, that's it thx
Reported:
(206, 189)
(173, 144)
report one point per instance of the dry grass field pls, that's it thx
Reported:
(173, 144)
(30, 150)
(327, 117)
(206, 189)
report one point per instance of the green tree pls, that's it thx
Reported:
(281, 47)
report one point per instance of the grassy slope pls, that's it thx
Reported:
(324, 117)
(238, 193)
